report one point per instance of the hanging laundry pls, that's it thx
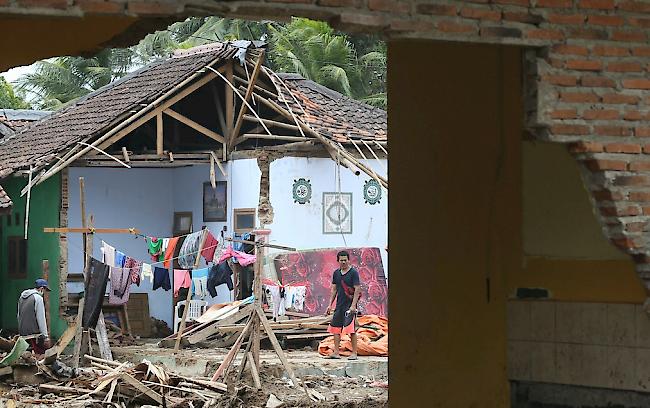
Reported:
(295, 297)
(200, 282)
(182, 279)
(190, 250)
(108, 254)
(209, 246)
(161, 278)
(242, 258)
(155, 248)
(147, 272)
(218, 275)
(274, 299)
(94, 296)
(135, 268)
(218, 251)
(120, 259)
(169, 251)
(120, 286)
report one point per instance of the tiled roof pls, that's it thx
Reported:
(99, 110)
(13, 120)
(334, 115)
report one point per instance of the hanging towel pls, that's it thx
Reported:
(189, 250)
(94, 296)
(294, 297)
(182, 279)
(108, 254)
(120, 286)
(209, 247)
(135, 267)
(169, 251)
(200, 282)
(242, 258)
(161, 278)
(155, 249)
(147, 272)
(120, 259)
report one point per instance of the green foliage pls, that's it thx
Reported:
(9, 99)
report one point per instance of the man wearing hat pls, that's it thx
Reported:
(31, 316)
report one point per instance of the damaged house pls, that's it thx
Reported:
(208, 138)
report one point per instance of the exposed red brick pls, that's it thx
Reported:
(596, 81)
(639, 196)
(566, 18)
(640, 166)
(600, 165)
(454, 27)
(561, 80)
(99, 6)
(607, 195)
(632, 115)
(610, 51)
(362, 20)
(640, 22)
(437, 9)
(564, 114)
(555, 3)
(597, 4)
(586, 147)
(638, 36)
(613, 131)
(646, 210)
(646, 148)
(565, 129)
(406, 24)
(480, 14)
(620, 211)
(600, 114)
(584, 65)
(634, 5)
(56, 4)
(522, 17)
(606, 20)
(632, 181)
(623, 148)
(642, 131)
(151, 8)
(570, 49)
(513, 2)
(587, 33)
(614, 98)
(625, 243)
(500, 32)
(389, 5)
(636, 226)
(543, 34)
(579, 97)
(641, 51)
(338, 3)
(636, 83)
(624, 67)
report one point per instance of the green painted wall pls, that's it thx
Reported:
(45, 206)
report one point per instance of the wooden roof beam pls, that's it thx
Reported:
(247, 97)
(198, 127)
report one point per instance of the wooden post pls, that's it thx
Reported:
(189, 295)
(257, 292)
(46, 296)
(159, 134)
(230, 108)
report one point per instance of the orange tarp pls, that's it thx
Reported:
(372, 338)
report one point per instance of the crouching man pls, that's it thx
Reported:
(31, 316)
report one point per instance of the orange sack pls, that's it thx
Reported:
(372, 338)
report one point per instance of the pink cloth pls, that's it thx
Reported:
(243, 258)
(182, 279)
(210, 245)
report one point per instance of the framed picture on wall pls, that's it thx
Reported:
(182, 223)
(337, 213)
(215, 204)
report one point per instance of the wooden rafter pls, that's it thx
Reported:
(247, 98)
(199, 128)
(230, 107)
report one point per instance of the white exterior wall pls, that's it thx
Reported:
(147, 198)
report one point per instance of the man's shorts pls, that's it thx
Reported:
(343, 322)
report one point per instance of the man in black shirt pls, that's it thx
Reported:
(346, 290)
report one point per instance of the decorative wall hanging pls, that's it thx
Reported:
(337, 213)
(371, 192)
(301, 191)
(215, 207)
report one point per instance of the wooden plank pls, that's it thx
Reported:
(93, 230)
(125, 154)
(102, 338)
(216, 159)
(213, 328)
(78, 334)
(189, 296)
(230, 107)
(159, 134)
(61, 344)
(254, 372)
(196, 126)
(245, 357)
(272, 123)
(45, 265)
(230, 357)
(142, 388)
(247, 98)
(307, 336)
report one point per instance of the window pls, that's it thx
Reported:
(17, 257)
(244, 220)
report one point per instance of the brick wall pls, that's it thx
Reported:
(586, 73)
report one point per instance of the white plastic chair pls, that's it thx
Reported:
(197, 308)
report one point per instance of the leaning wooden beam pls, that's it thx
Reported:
(375, 155)
(247, 98)
(273, 137)
(272, 123)
(230, 357)
(216, 159)
(199, 128)
(230, 104)
(254, 372)
(159, 134)
(257, 88)
(125, 154)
